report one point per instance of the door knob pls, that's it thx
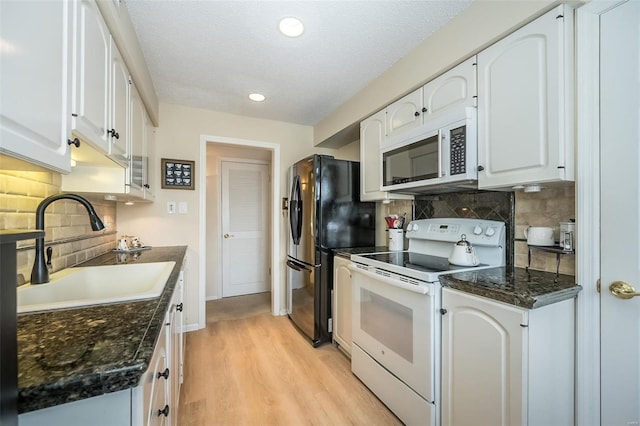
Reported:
(622, 290)
(228, 235)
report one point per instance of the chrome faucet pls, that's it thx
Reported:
(40, 272)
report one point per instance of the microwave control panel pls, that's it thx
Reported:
(458, 150)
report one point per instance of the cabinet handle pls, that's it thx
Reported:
(75, 142)
(480, 168)
(179, 307)
(114, 134)
(164, 411)
(417, 114)
(443, 311)
(424, 109)
(164, 374)
(146, 185)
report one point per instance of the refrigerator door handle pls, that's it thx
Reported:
(297, 266)
(295, 211)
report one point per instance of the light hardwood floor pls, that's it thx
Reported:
(249, 367)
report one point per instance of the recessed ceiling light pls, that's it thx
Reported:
(257, 97)
(291, 27)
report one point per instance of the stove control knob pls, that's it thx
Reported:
(410, 227)
(477, 230)
(415, 227)
(489, 232)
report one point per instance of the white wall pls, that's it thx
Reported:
(178, 137)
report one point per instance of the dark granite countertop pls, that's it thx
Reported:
(347, 252)
(70, 354)
(516, 286)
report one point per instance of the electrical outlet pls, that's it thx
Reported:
(171, 207)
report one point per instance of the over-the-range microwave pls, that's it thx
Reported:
(439, 156)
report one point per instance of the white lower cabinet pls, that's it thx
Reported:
(175, 344)
(150, 400)
(342, 304)
(504, 365)
(153, 402)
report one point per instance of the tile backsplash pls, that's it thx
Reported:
(548, 207)
(489, 205)
(518, 210)
(22, 187)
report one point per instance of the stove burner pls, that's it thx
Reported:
(417, 261)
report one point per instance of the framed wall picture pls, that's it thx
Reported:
(178, 174)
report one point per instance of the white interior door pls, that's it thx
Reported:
(245, 226)
(620, 212)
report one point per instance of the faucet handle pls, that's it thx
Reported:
(49, 253)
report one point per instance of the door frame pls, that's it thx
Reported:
(276, 290)
(220, 209)
(588, 385)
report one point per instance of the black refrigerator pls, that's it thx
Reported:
(325, 213)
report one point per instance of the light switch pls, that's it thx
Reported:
(182, 207)
(171, 207)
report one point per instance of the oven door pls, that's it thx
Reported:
(394, 322)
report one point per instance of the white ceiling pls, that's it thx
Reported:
(212, 54)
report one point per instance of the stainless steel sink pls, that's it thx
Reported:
(94, 285)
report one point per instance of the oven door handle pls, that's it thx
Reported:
(396, 283)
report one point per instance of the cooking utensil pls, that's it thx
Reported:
(463, 253)
(395, 221)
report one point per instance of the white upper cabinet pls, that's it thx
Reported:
(120, 148)
(149, 162)
(372, 135)
(35, 65)
(456, 88)
(90, 112)
(525, 104)
(404, 114)
(138, 135)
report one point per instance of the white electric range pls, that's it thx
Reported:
(396, 311)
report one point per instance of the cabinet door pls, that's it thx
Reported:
(149, 160)
(342, 303)
(483, 365)
(160, 392)
(372, 135)
(90, 118)
(524, 105)
(35, 65)
(404, 114)
(181, 333)
(174, 342)
(454, 89)
(138, 137)
(119, 108)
